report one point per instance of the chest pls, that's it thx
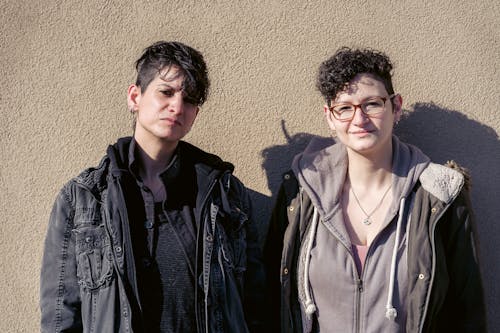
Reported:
(353, 300)
(364, 221)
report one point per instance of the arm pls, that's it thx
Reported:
(254, 280)
(59, 290)
(272, 258)
(465, 299)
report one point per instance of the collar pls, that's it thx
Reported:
(171, 171)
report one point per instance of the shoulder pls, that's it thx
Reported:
(236, 191)
(445, 182)
(289, 193)
(93, 180)
(198, 156)
(290, 185)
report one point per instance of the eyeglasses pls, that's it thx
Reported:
(370, 107)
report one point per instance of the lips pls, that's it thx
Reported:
(361, 132)
(172, 121)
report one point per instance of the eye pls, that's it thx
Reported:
(342, 108)
(377, 102)
(167, 92)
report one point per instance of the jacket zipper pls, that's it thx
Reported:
(359, 283)
(359, 280)
(359, 290)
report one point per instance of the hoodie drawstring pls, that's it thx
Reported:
(310, 307)
(391, 312)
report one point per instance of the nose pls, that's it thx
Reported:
(359, 116)
(176, 103)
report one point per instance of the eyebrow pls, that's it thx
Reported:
(364, 99)
(166, 85)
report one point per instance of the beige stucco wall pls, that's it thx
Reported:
(65, 67)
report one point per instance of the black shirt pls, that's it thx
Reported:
(164, 245)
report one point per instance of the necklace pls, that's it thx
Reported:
(367, 220)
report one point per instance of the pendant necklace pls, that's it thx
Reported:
(367, 220)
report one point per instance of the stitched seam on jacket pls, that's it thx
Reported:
(64, 257)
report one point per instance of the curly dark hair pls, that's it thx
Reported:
(162, 55)
(336, 72)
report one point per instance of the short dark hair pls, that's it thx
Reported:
(161, 55)
(336, 72)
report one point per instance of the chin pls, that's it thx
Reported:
(364, 143)
(171, 138)
(170, 135)
(364, 147)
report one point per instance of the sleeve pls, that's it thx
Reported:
(272, 259)
(254, 279)
(59, 290)
(255, 275)
(465, 299)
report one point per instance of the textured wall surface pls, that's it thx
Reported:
(65, 67)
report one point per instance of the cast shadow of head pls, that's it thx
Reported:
(276, 161)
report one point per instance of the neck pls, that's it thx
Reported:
(153, 157)
(373, 170)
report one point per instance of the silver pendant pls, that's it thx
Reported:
(367, 221)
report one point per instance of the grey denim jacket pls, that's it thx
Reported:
(88, 281)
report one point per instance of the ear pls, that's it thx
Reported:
(329, 117)
(397, 103)
(133, 97)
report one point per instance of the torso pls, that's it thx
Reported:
(359, 233)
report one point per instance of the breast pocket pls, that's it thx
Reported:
(94, 258)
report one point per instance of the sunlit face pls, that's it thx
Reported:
(363, 134)
(162, 112)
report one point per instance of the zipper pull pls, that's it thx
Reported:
(359, 282)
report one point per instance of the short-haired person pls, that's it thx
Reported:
(368, 235)
(158, 237)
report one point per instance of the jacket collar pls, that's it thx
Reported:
(120, 159)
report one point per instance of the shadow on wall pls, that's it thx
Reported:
(276, 161)
(443, 135)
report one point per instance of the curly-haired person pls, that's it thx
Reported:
(368, 235)
(159, 236)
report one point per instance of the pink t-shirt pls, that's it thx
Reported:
(359, 252)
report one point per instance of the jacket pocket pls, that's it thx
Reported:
(94, 258)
